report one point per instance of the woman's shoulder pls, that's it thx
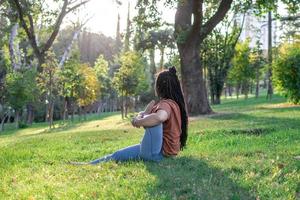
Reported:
(170, 102)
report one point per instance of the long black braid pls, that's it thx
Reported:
(168, 87)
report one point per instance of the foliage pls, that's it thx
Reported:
(241, 72)
(286, 72)
(69, 77)
(130, 79)
(217, 52)
(102, 71)
(20, 88)
(48, 78)
(89, 89)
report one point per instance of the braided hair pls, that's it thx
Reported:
(168, 87)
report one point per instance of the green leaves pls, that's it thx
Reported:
(20, 87)
(130, 79)
(286, 72)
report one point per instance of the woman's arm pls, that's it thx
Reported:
(147, 109)
(151, 120)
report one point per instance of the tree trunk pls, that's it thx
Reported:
(65, 108)
(17, 118)
(230, 90)
(51, 111)
(84, 112)
(189, 35)
(79, 112)
(162, 54)
(13, 58)
(270, 87)
(73, 111)
(3, 122)
(192, 80)
(30, 113)
(217, 99)
(152, 68)
(126, 106)
(237, 91)
(257, 83)
(122, 106)
(69, 48)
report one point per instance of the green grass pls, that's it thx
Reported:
(246, 150)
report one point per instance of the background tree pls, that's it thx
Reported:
(241, 72)
(287, 72)
(27, 13)
(70, 80)
(217, 52)
(129, 78)
(48, 83)
(258, 62)
(20, 89)
(107, 92)
(89, 89)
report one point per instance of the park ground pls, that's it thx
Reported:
(249, 149)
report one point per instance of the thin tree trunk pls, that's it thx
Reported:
(257, 84)
(237, 91)
(65, 108)
(230, 90)
(270, 87)
(12, 53)
(3, 122)
(73, 111)
(51, 111)
(126, 106)
(152, 68)
(84, 112)
(217, 99)
(17, 118)
(162, 54)
(69, 47)
(30, 113)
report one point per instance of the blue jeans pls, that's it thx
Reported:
(149, 149)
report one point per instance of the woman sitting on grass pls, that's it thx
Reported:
(165, 124)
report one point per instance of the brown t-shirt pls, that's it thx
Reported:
(171, 127)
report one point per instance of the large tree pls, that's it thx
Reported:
(28, 13)
(190, 31)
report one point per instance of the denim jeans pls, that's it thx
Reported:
(150, 148)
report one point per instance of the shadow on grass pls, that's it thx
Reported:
(189, 178)
(258, 125)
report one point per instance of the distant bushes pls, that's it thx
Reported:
(286, 72)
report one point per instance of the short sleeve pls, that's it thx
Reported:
(164, 106)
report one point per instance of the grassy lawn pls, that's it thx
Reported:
(247, 150)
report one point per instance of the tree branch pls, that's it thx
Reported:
(76, 6)
(290, 18)
(183, 20)
(216, 18)
(198, 17)
(64, 11)
(57, 24)
(28, 30)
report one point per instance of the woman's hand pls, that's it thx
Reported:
(149, 107)
(135, 120)
(150, 120)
